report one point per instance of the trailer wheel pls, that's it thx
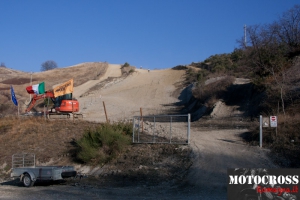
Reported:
(27, 180)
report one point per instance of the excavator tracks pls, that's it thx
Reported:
(65, 116)
(58, 116)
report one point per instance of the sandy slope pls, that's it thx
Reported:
(113, 70)
(124, 98)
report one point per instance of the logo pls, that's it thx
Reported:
(258, 183)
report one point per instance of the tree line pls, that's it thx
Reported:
(270, 58)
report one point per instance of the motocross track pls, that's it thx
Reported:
(215, 148)
(123, 97)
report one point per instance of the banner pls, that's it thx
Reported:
(13, 96)
(64, 88)
(36, 89)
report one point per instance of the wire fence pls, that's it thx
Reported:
(172, 129)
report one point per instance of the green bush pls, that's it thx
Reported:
(126, 64)
(104, 143)
(131, 71)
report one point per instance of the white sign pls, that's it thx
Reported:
(273, 121)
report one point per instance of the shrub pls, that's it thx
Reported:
(126, 64)
(131, 71)
(103, 144)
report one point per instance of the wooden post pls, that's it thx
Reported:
(105, 112)
(142, 119)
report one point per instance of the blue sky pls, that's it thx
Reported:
(154, 34)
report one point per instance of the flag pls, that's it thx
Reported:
(13, 96)
(64, 88)
(36, 89)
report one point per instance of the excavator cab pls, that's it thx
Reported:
(65, 103)
(58, 100)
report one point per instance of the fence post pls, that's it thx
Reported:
(170, 129)
(189, 127)
(260, 131)
(139, 130)
(133, 130)
(142, 120)
(105, 112)
(154, 130)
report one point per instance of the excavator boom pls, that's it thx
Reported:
(37, 97)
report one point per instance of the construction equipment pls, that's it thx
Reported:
(64, 106)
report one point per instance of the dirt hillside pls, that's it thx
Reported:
(214, 148)
(123, 97)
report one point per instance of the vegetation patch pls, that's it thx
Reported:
(210, 93)
(127, 69)
(101, 145)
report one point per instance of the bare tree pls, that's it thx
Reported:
(271, 48)
(48, 65)
(287, 29)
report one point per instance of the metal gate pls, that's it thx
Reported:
(172, 129)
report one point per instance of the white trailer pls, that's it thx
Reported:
(24, 168)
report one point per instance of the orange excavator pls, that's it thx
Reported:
(64, 106)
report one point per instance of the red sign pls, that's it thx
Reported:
(273, 121)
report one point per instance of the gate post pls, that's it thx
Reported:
(260, 131)
(133, 129)
(189, 127)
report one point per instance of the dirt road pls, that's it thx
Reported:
(215, 151)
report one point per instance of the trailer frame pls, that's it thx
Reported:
(24, 168)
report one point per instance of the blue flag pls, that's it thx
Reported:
(13, 96)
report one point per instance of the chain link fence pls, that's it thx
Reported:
(172, 129)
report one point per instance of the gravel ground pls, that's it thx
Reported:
(213, 152)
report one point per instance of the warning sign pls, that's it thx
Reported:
(273, 121)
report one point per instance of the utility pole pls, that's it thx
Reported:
(30, 84)
(245, 36)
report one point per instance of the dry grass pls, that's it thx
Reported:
(45, 138)
(285, 143)
(81, 73)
